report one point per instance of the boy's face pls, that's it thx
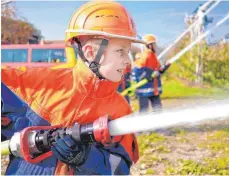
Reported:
(115, 59)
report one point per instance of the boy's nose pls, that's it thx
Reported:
(127, 60)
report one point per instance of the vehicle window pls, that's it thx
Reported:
(48, 55)
(14, 55)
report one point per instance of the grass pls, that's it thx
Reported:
(179, 132)
(217, 141)
(176, 89)
(150, 172)
(145, 142)
(185, 167)
(215, 162)
(219, 166)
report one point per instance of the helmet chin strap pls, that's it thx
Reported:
(94, 65)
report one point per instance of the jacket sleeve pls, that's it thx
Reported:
(20, 82)
(18, 91)
(14, 110)
(26, 83)
(109, 160)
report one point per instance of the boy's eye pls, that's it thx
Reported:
(120, 51)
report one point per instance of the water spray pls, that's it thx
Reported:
(198, 39)
(166, 119)
(190, 27)
(33, 143)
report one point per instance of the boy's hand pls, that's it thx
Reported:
(69, 151)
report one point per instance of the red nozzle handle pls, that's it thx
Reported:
(101, 131)
(24, 143)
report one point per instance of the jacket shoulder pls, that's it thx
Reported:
(32, 77)
(36, 81)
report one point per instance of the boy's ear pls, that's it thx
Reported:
(89, 52)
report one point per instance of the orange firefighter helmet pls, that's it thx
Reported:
(107, 19)
(149, 38)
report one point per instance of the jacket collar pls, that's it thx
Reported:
(90, 85)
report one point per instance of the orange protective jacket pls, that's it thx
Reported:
(66, 96)
(148, 59)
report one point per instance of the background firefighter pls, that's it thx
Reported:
(125, 83)
(144, 66)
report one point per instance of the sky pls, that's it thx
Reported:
(165, 19)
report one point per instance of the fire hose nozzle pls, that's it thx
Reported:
(93, 132)
(28, 144)
(101, 131)
(34, 143)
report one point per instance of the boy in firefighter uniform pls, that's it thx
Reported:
(144, 66)
(103, 32)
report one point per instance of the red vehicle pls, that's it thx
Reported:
(49, 55)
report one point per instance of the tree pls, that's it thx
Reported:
(16, 30)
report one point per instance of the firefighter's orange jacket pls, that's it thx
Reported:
(66, 96)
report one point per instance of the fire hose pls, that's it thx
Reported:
(215, 3)
(33, 143)
(175, 58)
